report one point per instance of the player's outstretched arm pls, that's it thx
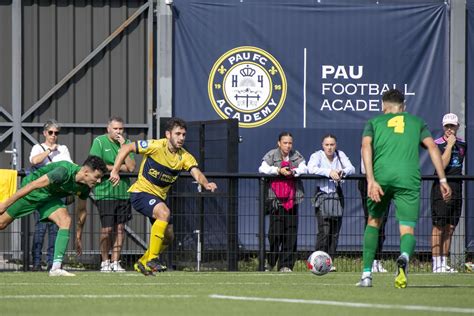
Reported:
(36, 184)
(122, 154)
(437, 161)
(81, 212)
(202, 180)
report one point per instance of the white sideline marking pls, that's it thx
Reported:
(348, 304)
(56, 296)
(141, 284)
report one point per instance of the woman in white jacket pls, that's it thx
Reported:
(329, 202)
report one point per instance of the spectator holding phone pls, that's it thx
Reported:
(285, 193)
(329, 200)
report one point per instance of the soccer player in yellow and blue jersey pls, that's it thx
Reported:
(163, 161)
(390, 147)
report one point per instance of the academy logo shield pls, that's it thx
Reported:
(247, 84)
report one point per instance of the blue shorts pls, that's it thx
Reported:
(144, 203)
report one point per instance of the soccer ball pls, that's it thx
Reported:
(319, 263)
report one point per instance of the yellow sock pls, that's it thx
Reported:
(144, 258)
(156, 238)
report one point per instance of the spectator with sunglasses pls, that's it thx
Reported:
(41, 155)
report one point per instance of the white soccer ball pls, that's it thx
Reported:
(319, 263)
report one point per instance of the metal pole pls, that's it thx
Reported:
(198, 250)
(458, 105)
(261, 227)
(232, 227)
(164, 50)
(16, 114)
(149, 71)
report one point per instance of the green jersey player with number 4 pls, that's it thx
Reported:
(390, 145)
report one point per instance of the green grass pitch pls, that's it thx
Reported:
(233, 293)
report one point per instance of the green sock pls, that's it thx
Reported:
(371, 237)
(60, 245)
(407, 244)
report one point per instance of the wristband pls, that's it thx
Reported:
(443, 180)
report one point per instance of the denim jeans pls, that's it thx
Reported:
(38, 239)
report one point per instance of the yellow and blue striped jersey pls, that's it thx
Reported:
(160, 168)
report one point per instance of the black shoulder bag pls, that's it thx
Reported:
(339, 192)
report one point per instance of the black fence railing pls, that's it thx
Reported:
(228, 229)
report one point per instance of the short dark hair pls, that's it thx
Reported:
(115, 119)
(283, 134)
(175, 122)
(394, 96)
(95, 163)
(329, 135)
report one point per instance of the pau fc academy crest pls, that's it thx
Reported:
(247, 84)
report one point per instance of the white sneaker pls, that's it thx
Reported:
(440, 269)
(450, 270)
(377, 267)
(60, 272)
(365, 282)
(285, 270)
(116, 267)
(105, 266)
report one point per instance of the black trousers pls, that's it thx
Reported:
(363, 194)
(282, 235)
(328, 233)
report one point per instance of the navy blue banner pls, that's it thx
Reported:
(310, 68)
(470, 123)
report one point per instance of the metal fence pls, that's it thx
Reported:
(228, 229)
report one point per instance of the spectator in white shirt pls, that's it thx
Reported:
(41, 155)
(329, 201)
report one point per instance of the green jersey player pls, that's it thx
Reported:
(390, 145)
(43, 190)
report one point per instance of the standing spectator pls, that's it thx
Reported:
(285, 193)
(362, 185)
(163, 161)
(41, 155)
(390, 145)
(445, 216)
(329, 200)
(112, 201)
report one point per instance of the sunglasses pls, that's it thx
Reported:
(55, 133)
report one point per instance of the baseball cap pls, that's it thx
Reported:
(450, 118)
